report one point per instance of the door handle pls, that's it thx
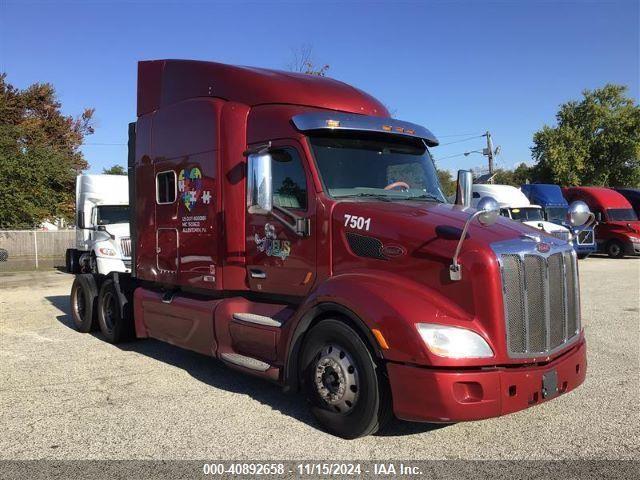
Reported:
(255, 273)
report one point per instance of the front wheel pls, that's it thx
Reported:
(615, 249)
(346, 389)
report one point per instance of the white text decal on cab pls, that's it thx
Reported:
(359, 223)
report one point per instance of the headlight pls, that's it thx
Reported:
(454, 342)
(107, 251)
(634, 239)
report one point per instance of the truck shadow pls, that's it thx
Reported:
(214, 373)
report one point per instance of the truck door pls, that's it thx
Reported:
(279, 261)
(166, 223)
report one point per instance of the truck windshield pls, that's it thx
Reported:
(622, 215)
(556, 214)
(110, 214)
(526, 214)
(393, 168)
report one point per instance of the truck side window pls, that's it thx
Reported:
(289, 180)
(166, 187)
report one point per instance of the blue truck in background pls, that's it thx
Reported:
(555, 206)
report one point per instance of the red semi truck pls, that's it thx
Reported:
(286, 225)
(618, 227)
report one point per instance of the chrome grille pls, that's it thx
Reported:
(541, 298)
(125, 246)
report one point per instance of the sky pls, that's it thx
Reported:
(460, 68)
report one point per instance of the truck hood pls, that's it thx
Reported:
(118, 230)
(630, 227)
(427, 226)
(548, 227)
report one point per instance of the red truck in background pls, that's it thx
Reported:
(286, 225)
(618, 228)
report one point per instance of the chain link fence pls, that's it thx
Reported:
(22, 250)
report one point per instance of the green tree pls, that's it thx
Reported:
(447, 182)
(596, 141)
(520, 175)
(114, 170)
(39, 155)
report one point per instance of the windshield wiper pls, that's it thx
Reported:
(379, 196)
(425, 196)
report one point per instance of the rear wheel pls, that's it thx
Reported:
(615, 249)
(84, 293)
(72, 258)
(114, 326)
(346, 389)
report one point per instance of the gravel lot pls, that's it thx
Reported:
(67, 395)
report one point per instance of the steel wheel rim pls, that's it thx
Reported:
(615, 249)
(336, 379)
(108, 311)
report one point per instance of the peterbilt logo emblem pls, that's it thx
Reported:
(393, 251)
(543, 247)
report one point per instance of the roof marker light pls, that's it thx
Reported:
(386, 128)
(333, 123)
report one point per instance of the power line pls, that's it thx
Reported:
(459, 135)
(449, 156)
(462, 140)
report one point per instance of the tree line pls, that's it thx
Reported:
(595, 141)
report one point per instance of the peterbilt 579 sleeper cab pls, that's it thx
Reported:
(286, 225)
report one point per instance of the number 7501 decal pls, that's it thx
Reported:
(359, 223)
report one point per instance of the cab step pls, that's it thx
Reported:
(246, 362)
(257, 319)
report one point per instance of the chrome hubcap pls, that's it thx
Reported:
(336, 379)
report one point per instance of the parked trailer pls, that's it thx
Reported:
(286, 225)
(618, 227)
(103, 244)
(554, 209)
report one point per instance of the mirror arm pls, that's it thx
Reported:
(455, 272)
(301, 226)
(259, 149)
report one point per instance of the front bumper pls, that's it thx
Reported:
(107, 265)
(436, 395)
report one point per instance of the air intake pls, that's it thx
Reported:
(364, 246)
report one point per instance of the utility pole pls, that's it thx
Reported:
(489, 151)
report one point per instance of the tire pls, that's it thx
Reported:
(84, 295)
(71, 261)
(115, 326)
(347, 391)
(615, 249)
(583, 256)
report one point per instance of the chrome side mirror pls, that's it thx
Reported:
(464, 188)
(259, 184)
(578, 214)
(487, 214)
(490, 210)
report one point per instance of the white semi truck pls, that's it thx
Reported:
(515, 205)
(103, 242)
